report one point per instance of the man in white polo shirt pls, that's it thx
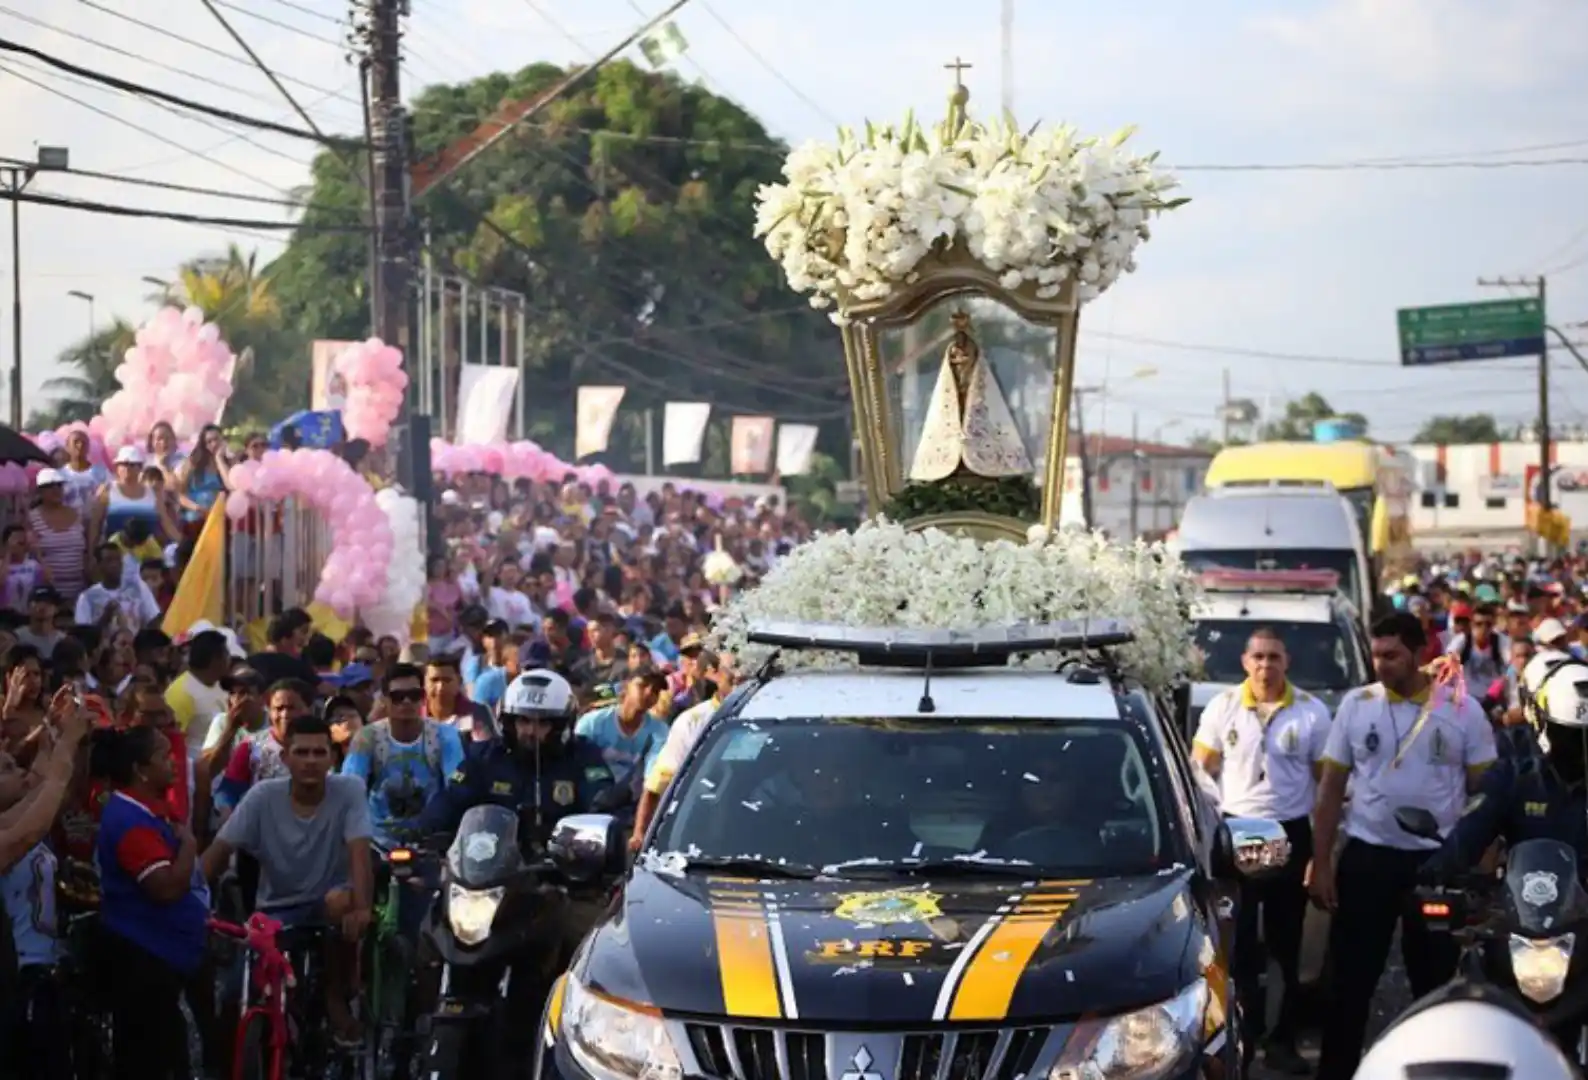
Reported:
(1261, 742)
(1399, 742)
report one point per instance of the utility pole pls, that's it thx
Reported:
(1135, 476)
(1080, 393)
(1224, 409)
(1007, 35)
(1544, 500)
(394, 262)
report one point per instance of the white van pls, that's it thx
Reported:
(1279, 528)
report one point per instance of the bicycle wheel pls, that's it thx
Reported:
(253, 1053)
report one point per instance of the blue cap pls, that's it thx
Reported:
(353, 675)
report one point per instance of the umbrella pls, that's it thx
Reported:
(18, 449)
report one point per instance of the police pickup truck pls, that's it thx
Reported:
(934, 866)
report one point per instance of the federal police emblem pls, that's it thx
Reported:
(562, 793)
(893, 906)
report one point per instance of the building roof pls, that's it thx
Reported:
(1113, 445)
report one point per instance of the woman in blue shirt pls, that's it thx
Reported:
(153, 910)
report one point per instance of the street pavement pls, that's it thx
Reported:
(1393, 996)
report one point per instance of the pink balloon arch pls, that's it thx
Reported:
(373, 373)
(357, 571)
(510, 461)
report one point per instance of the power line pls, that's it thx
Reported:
(201, 155)
(171, 99)
(162, 185)
(297, 30)
(168, 215)
(212, 50)
(769, 66)
(311, 12)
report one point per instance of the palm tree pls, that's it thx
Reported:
(93, 360)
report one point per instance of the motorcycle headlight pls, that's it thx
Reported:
(471, 912)
(1540, 966)
(1147, 1044)
(616, 1040)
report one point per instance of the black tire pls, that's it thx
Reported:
(254, 1052)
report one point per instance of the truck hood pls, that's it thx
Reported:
(908, 951)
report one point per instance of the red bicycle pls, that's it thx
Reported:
(260, 1052)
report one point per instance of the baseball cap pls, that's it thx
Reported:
(242, 675)
(691, 643)
(1461, 611)
(1550, 630)
(49, 478)
(204, 626)
(44, 593)
(354, 675)
(129, 455)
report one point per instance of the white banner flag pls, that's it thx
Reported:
(327, 393)
(597, 408)
(230, 375)
(485, 403)
(750, 447)
(796, 443)
(684, 431)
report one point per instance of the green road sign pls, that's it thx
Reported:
(1487, 330)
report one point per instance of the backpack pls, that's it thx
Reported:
(380, 753)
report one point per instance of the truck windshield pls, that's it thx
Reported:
(1341, 562)
(1321, 658)
(1065, 798)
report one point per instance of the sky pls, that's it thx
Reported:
(1285, 280)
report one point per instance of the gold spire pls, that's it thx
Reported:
(959, 97)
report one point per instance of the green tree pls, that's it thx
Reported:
(92, 363)
(1455, 430)
(1299, 416)
(625, 215)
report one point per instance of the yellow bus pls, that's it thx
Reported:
(1376, 480)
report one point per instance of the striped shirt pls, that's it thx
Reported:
(63, 553)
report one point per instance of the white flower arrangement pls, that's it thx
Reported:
(883, 575)
(720, 569)
(856, 217)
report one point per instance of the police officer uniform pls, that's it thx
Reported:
(571, 781)
(1267, 753)
(1416, 752)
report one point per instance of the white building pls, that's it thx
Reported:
(1138, 488)
(1483, 489)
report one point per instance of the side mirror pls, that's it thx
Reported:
(1417, 821)
(586, 846)
(1252, 848)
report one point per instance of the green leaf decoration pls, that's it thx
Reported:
(1013, 497)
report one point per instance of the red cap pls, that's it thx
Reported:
(1461, 611)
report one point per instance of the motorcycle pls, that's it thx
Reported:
(1519, 931)
(498, 930)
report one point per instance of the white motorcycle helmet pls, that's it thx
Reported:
(1554, 689)
(1467, 1030)
(540, 694)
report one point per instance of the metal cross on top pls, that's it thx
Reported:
(958, 67)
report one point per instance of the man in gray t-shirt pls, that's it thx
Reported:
(301, 859)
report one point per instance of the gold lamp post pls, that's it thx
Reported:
(962, 392)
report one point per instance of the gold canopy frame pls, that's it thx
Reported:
(941, 277)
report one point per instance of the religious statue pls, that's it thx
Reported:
(969, 427)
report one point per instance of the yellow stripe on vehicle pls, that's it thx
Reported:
(744, 960)
(554, 1007)
(988, 984)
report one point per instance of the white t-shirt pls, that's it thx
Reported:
(1484, 664)
(511, 606)
(681, 739)
(1394, 761)
(138, 606)
(1265, 770)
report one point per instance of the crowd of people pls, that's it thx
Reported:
(162, 766)
(1474, 718)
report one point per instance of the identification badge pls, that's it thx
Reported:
(1233, 737)
(562, 793)
(1371, 742)
(502, 787)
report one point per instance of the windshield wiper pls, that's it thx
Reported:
(750, 864)
(941, 868)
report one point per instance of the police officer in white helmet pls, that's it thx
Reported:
(1465, 1031)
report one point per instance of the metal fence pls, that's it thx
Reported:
(274, 555)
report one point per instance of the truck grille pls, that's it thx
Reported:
(755, 1053)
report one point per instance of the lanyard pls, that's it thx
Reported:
(1411, 736)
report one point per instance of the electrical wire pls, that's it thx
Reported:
(311, 12)
(211, 49)
(171, 99)
(201, 155)
(163, 185)
(769, 66)
(168, 215)
(278, 24)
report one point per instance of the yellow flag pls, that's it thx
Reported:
(328, 622)
(201, 594)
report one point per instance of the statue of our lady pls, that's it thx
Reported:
(969, 427)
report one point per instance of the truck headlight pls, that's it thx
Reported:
(471, 912)
(616, 1040)
(1147, 1044)
(1540, 966)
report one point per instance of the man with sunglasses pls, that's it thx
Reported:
(405, 759)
